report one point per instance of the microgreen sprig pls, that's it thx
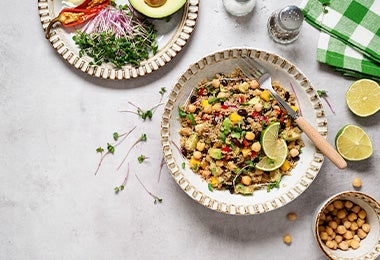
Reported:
(111, 147)
(121, 187)
(323, 94)
(142, 158)
(142, 138)
(156, 198)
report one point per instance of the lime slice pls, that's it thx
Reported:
(273, 146)
(353, 143)
(363, 97)
(267, 164)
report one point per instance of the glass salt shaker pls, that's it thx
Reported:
(239, 7)
(284, 25)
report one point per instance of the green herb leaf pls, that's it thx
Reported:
(141, 158)
(99, 150)
(183, 165)
(110, 148)
(210, 188)
(115, 136)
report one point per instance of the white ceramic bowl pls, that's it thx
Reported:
(262, 201)
(369, 246)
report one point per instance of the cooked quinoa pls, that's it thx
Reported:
(221, 125)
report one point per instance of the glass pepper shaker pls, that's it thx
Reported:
(284, 25)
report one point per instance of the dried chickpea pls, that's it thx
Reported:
(323, 235)
(356, 209)
(360, 222)
(366, 227)
(332, 244)
(338, 204)
(329, 231)
(338, 238)
(362, 214)
(361, 234)
(341, 229)
(348, 204)
(287, 239)
(352, 217)
(347, 224)
(292, 216)
(354, 226)
(356, 238)
(333, 224)
(343, 245)
(354, 244)
(321, 229)
(341, 214)
(348, 235)
(330, 207)
(357, 182)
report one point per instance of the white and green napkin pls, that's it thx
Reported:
(350, 34)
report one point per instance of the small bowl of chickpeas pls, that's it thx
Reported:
(347, 226)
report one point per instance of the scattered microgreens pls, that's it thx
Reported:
(161, 166)
(142, 158)
(121, 187)
(272, 185)
(142, 138)
(210, 188)
(183, 165)
(298, 102)
(111, 147)
(323, 94)
(156, 199)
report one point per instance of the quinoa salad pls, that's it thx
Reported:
(222, 124)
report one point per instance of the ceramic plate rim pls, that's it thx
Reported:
(179, 39)
(237, 208)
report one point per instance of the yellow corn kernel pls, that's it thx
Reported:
(285, 166)
(245, 152)
(214, 181)
(205, 102)
(265, 95)
(193, 162)
(234, 117)
(294, 108)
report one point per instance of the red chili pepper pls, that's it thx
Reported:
(74, 16)
(245, 143)
(241, 99)
(253, 154)
(224, 106)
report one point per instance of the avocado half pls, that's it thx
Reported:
(170, 7)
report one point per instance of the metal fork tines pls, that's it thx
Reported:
(252, 69)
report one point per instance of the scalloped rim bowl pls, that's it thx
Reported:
(262, 201)
(370, 246)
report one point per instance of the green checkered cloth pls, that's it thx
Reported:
(350, 34)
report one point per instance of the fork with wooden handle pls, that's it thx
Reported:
(251, 69)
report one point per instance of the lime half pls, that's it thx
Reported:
(353, 143)
(273, 146)
(363, 97)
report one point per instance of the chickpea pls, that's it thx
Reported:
(330, 207)
(287, 239)
(361, 234)
(341, 214)
(256, 146)
(366, 227)
(338, 238)
(329, 231)
(360, 222)
(246, 180)
(343, 245)
(338, 204)
(323, 236)
(191, 108)
(341, 229)
(348, 235)
(321, 229)
(352, 217)
(294, 152)
(347, 224)
(258, 107)
(354, 244)
(201, 146)
(356, 209)
(354, 226)
(362, 214)
(292, 216)
(356, 238)
(250, 136)
(207, 109)
(333, 224)
(197, 155)
(257, 92)
(332, 244)
(254, 84)
(357, 182)
(215, 83)
(348, 204)
(216, 107)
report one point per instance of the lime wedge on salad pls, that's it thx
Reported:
(275, 148)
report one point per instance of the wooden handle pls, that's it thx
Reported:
(321, 143)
